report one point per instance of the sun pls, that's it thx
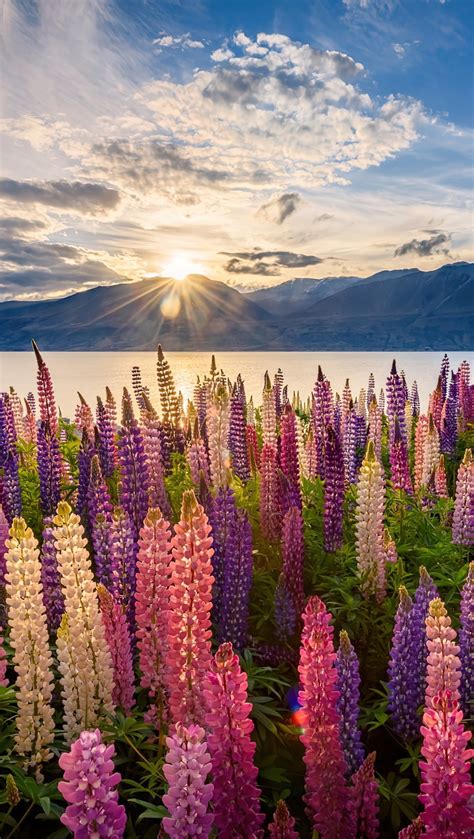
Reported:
(180, 266)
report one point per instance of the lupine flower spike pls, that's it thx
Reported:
(366, 796)
(118, 640)
(283, 824)
(187, 768)
(463, 518)
(443, 664)
(348, 681)
(466, 644)
(370, 527)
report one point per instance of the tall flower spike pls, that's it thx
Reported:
(84, 658)
(236, 795)
(283, 824)
(269, 493)
(370, 526)
(466, 643)
(135, 482)
(443, 664)
(32, 658)
(50, 579)
(4, 533)
(49, 468)
(190, 603)
(328, 798)
(333, 493)
(289, 455)
(446, 791)
(421, 433)
(237, 437)
(441, 483)
(375, 427)
(399, 467)
(269, 418)
(430, 452)
(223, 520)
(218, 436)
(10, 493)
(153, 440)
(323, 410)
(449, 419)
(197, 458)
(238, 574)
(396, 398)
(463, 518)
(46, 398)
(118, 640)
(89, 788)
(350, 445)
(348, 681)
(170, 409)
(123, 559)
(365, 796)
(187, 768)
(151, 608)
(107, 449)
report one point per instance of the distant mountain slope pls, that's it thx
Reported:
(408, 309)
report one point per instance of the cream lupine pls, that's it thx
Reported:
(421, 433)
(430, 452)
(86, 651)
(31, 654)
(443, 670)
(370, 529)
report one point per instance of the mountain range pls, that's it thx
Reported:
(405, 310)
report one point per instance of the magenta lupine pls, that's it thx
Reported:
(237, 812)
(187, 768)
(50, 578)
(190, 604)
(151, 608)
(222, 513)
(89, 788)
(4, 534)
(443, 670)
(333, 493)
(289, 455)
(466, 643)
(293, 557)
(10, 493)
(283, 823)
(269, 493)
(328, 798)
(413, 831)
(237, 438)
(238, 576)
(106, 431)
(118, 640)
(322, 417)
(134, 487)
(365, 796)
(446, 791)
(463, 517)
(399, 467)
(348, 682)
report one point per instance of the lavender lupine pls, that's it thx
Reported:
(347, 684)
(106, 429)
(366, 800)
(238, 573)
(285, 611)
(189, 794)
(463, 517)
(50, 578)
(237, 436)
(98, 497)
(322, 417)
(396, 398)
(134, 487)
(89, 788)
(466, 644)
(399, 466)
(123, 558)
(333, 493)
(10, 493)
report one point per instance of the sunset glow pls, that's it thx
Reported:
(180, 266)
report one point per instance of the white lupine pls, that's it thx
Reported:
(430, 453)
(218, 436)
(86, 666)
(32, 657)
(370, 530)
(302, 458)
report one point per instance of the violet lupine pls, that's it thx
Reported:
(293, 557)
(106, 429)
(218, 437)
(98, 497)
(269, 493)
(84, 460)
(4, 528)
(322, 417)
(89, 788)
(399, 467)
(289, 455)
(222, 513)
(283, 824)
(370, 526)
(449, 419)
(190, 604)
(466, 643)
(396, 398)
(348, 682)
(443, 667)
(463, 517)
(237, 438)
(102, 543)
(285, 611)
(446, 791)
(337, 416)
(189, 794)
(10, 492)
(333, 493)
(49, 468)
(238, 575)
(135, 483)
(328, 798)
(50, 578)
(237, 812)
(197, 458)
(365, 796)
(118, 640)
(151, 608)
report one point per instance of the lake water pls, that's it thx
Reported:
(91, 372)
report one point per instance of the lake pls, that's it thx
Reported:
(91, 372)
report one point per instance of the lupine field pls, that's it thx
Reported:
(237, 620)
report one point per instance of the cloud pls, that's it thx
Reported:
(80, 197)
(178, 41)
(280, 207)
(425, 247)
(267, 263)
(21, 227)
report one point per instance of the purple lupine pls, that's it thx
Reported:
(50, 578)
(134, 485)
(84, 460)
(337, 416)
(349, 445)
(333, 493)
(449, 419)
(107, 450)
(154, 445)
(98, 497)
(322, 417)
(285, 612)
(10, 492)
(289, 456)
(222, 518)
(104, 555)
(407, 667)
(4, 535)
(396, 399)
(238, 574)
(348, 682)
(399, 466)
(123, 563)
(237, 437)
(187, 768)
(49, 468)
(466, 644)
(293, 557)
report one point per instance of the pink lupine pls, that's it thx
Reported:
(89, 787)
(151, 607)
(3, 662)
(237, 812)
(463, 518)
(413, 831)
(29, 424)
(441, 484)
(365, 798)
(187, 768)
(84, 418)
(190, 604)
(421, 433)
(269, 493)
(118, 640)
(283, 824)
(328, 797)
(46, 398)
(443, 663)
(445, 791)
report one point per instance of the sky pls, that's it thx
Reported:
(250, 142)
